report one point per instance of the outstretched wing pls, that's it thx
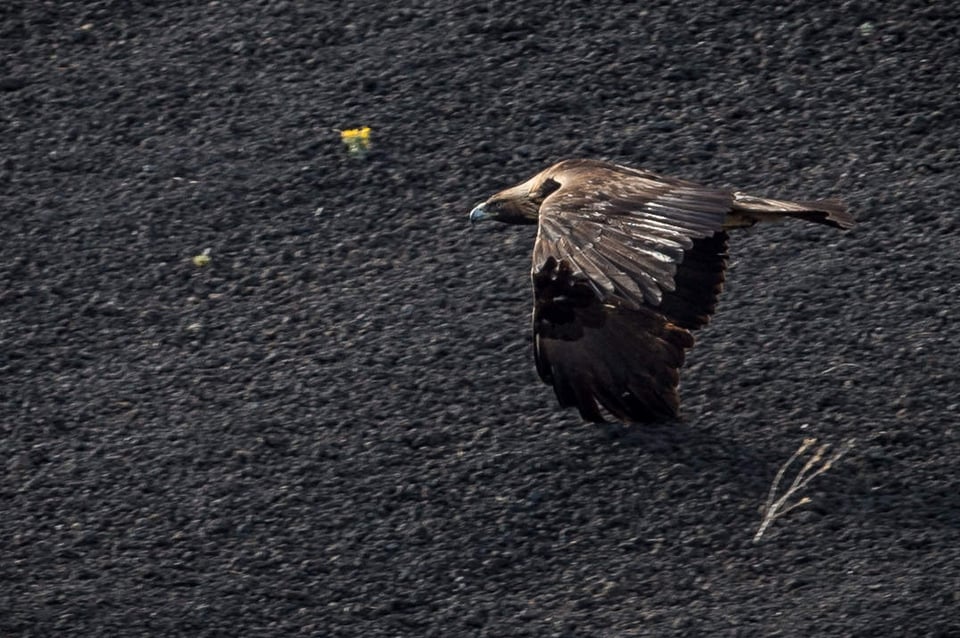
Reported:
(625, 264)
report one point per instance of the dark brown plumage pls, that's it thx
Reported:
(626, 264)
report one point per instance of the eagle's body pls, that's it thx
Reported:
(626, 264)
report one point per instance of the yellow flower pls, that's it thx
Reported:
(201, 260)
(357, 140)
(361, 135)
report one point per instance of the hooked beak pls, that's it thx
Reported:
(479, 213)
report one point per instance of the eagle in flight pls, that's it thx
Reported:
(625, 265)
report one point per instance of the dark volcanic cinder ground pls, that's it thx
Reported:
(335, 427)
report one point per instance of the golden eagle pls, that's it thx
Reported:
(626, 264)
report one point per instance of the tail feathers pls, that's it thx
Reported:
(832, 212)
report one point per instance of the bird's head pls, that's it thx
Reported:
(508, 211)
(519, 204)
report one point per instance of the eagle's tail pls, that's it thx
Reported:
(747, 210)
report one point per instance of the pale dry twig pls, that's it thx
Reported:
(817, 464)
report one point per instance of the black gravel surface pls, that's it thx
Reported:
(334, 428)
